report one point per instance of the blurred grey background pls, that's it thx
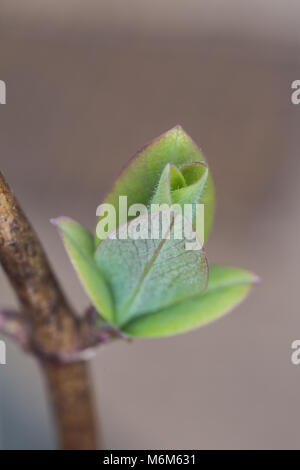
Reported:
(87, 84)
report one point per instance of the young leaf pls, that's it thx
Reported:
(195, 175)
(227, 287)
(182, 188)
(150, 274)
(79, 244)
(154, 285)
(171, 179)
(142, 175)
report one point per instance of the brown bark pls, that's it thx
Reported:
(55, 328)
(70, 392)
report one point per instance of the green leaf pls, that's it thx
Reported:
(149, 274)
(195, 175)
(142, 175)
(183, 188)
(171, 179)
(79, 244)
(227, 287)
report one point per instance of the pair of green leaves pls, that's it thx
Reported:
(156, 287)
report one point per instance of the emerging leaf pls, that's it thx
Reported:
(141, 177)
(153, 285)
(79, 244)
(146, 275)
(182, 188)
(227, 287)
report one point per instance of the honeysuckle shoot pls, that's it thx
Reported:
(147, 274)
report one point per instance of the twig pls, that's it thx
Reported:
(55, 329)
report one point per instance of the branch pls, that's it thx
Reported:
(28, 270)
(55, 328)
(92, 335)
